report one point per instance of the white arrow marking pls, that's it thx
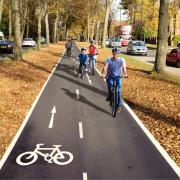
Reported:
(81, 130)
(52, 117)
(85, 176)
(77, 93)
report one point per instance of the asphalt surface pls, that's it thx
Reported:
(102, 147)
(150, 59)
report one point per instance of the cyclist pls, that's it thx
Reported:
(114, 67)
(82, 59)
(69, 47)
(93, 51)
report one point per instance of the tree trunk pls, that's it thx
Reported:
(87, 40)
(10, 23)
(24, 21)
(47, 28)
(160, 61)
(97, 31)
(93, 29)
(1, 9)
(39, 31)
(56, 27)
(106, 24)
(27, 28)
(17, 30)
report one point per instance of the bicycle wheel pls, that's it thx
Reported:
(68, 157)
(114, 101)
(27, 158)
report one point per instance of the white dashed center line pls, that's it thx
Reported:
(81, 130)
(85, 176)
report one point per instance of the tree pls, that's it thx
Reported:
(1, 8)
(17, 29)
(159, 65)
(108, 6)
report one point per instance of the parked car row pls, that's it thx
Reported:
(8, 46)
(116, 42)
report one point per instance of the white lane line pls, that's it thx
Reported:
(81, 130)
(155, 142)
(77, 93)
(53, 112)
(90, 82)
(75, 72)
(85, 176)
(13, 142)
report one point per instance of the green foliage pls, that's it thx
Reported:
(176, 39)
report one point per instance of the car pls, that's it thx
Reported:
(124, 42)
(29, 42)
(173, 57)
(6, 46)
(115, 42)
(107, 42)
(137, 47)
(43, 40)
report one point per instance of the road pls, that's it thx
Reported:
(150, 59)
(73, 113)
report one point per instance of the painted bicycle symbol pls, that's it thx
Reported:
(55, 156)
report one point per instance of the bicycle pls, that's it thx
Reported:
(56, 155)
(69, 52)
(114, 96)
(92, 63)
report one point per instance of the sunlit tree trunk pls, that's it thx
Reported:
(56, 27)
(17, 30)
(108, 5)
(47, 27)
(10, 22)
(97, 31)
(160, 62)
(1, 9)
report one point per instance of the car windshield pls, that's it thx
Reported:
(138, 43)
(28, 39)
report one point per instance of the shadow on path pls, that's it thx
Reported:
(84, 100)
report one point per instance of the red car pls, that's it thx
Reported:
(124, 42)
(174, 57)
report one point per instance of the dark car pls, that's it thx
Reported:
(6, 46)
(174, 57)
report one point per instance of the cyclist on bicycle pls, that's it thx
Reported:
(114, 67)
(82, 59)
(69, 47)
(93, 51)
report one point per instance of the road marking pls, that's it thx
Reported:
(75, 72)
(81, 130)
(77, 93)
(53, 112)
(13, 142)
(85, 176)
(155, 142)
(89, 79)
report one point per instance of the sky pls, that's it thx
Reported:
(117, 11)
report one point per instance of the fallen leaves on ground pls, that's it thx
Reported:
(155, 102)
(20, 83)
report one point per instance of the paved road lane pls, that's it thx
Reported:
(102, 147)
(150, 59)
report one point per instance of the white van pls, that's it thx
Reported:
(1, 36)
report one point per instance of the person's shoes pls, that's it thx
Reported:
(119, 109)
